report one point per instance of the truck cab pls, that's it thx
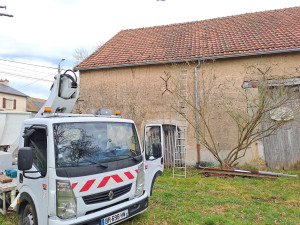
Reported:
(83, 169)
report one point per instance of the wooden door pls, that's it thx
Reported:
(282, 149)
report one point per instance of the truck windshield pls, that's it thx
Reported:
(81, 144)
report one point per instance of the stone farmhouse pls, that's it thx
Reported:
(137, 71)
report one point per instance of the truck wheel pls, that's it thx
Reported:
(28, 216)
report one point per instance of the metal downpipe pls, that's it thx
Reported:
(197, 118)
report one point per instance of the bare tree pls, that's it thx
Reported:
(260, 110)
(268, 110)
(81, 53)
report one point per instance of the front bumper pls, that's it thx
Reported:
(135, 206)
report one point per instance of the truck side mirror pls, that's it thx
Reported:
(28, 133)
(157, 151)
(25, 158)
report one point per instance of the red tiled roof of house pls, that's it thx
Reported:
(246, 34)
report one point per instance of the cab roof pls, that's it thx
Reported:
(75, 118)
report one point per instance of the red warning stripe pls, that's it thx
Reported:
(129, 175)
(103, 182)
(87, 185)
(117, 178)
(74, 185)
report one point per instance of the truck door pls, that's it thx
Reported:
(35, 184)
(154, 154)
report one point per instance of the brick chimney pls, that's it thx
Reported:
(5, 82)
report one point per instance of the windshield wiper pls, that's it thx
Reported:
(96, 163)
(135, 158)
(130, 153)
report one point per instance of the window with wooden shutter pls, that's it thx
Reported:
(4, 103)
(9, 103)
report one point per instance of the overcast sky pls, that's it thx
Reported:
(44, 32)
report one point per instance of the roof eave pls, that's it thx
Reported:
(191, 59)
(25, 96)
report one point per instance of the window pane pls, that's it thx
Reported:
(152, 136)
(38, 142)
(9, 104)
(79, 144)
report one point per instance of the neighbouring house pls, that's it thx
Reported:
(136, 72)
(34, 105)
(15, 107)
(10, 98)
(14, 100)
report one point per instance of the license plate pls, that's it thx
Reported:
(114, 218)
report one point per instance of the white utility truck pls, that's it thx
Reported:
(83, 169)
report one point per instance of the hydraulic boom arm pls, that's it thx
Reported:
(64, 94)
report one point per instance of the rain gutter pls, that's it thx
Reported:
(191, 59)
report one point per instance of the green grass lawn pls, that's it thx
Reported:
(213, 200)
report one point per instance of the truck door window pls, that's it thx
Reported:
(38, 142)
(152, 136)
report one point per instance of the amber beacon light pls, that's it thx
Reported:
(47, 109)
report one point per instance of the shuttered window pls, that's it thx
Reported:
(9, 103)
(4, 103)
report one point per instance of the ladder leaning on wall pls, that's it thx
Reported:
(179, 157)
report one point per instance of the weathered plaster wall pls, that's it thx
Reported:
(137, 92)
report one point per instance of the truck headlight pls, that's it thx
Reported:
(140, 181)
(65, 200)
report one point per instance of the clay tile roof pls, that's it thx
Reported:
(246, 34)
(34, 104)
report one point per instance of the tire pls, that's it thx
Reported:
(28, 216)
